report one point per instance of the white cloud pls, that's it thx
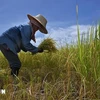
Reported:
(64, 36)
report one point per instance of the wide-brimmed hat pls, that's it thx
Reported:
(39, 21)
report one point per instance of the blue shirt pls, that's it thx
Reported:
(18, 38)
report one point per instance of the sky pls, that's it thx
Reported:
(61, 16)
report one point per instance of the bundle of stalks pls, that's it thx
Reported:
(48, 45)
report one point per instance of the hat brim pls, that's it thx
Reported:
(41, 27)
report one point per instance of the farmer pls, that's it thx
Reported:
(18, 38)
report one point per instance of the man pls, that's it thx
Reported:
(18, 38)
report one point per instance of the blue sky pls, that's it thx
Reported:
(61, 15)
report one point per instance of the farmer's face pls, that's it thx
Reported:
(35, 28)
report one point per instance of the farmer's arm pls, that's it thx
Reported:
(26, 37)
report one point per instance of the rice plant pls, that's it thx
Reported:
(48, 44)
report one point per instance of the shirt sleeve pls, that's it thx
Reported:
(26, 38)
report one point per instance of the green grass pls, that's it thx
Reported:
(71, 73)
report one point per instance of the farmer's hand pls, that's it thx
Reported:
(40, 50)
(14, 71)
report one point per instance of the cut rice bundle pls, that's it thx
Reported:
(48, 44)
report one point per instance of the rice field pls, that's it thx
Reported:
(70, 73)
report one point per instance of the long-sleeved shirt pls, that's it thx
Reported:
(18, 38)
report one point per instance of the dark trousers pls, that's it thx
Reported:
(12, 58)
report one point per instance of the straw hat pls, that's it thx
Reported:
(39, 21)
